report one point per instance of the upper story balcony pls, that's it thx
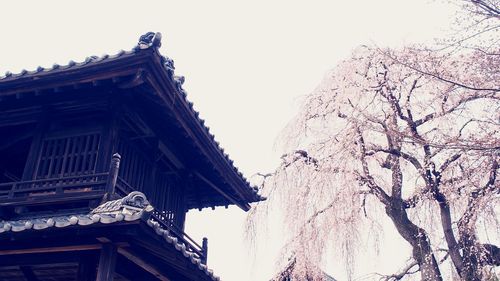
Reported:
(91, 188)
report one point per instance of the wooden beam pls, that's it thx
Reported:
(137, 80)
(170, 155)
(145, 127)
(143, 264)
(107, 262)
(39, 258)
(128, 270)
(28, 273)
(244, 206)
(51, 249)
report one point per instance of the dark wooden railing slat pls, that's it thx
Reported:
(36, 189)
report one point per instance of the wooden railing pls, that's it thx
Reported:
(52, 188)
(191, 245)
(200, 252)
(101, 185)
(123, 187)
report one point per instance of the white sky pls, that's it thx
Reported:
(247, 63)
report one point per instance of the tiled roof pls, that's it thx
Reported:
(147, 41)
(181, 248)
(8, 76)
(132, 207)
(108, 212)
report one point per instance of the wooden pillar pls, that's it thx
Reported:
(204, 249)
(112, 177)
(107, 262)
(30, 168)
(86, 268)
(109, 135)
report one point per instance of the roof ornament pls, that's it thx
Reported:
(150, 39)
(179, 81)
(134, 202)
(135, 199)
(168, 63)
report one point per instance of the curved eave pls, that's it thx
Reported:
(166, 84)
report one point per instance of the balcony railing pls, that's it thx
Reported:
(52, 189)
(191, 246)
(88, 187)
(200, 252)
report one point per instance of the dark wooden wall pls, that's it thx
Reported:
(163, 187)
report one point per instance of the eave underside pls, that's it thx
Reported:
(60, 254)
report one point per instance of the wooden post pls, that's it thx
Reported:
(112, 177)
(30, 168)
(107, 262)
(11, 191)
(86, 268)
(109, 134)
(204, 250)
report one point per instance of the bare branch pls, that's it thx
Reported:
(411, 159)
(454, 107)
(367, 178)
(439, 77)
(448, 161)
(407, 270)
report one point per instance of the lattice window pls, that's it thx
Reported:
(68, 156)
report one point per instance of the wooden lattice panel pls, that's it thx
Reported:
(68, 156)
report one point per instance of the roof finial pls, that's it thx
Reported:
(150, 39)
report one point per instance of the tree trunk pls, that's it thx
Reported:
(471, 255)
(451, 241)
(416, 236)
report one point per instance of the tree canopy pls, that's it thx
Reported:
(411, 134)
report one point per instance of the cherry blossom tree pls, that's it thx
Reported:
(483, 8)
(410, 134)
(477, 24)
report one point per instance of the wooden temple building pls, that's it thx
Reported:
(99, 162)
